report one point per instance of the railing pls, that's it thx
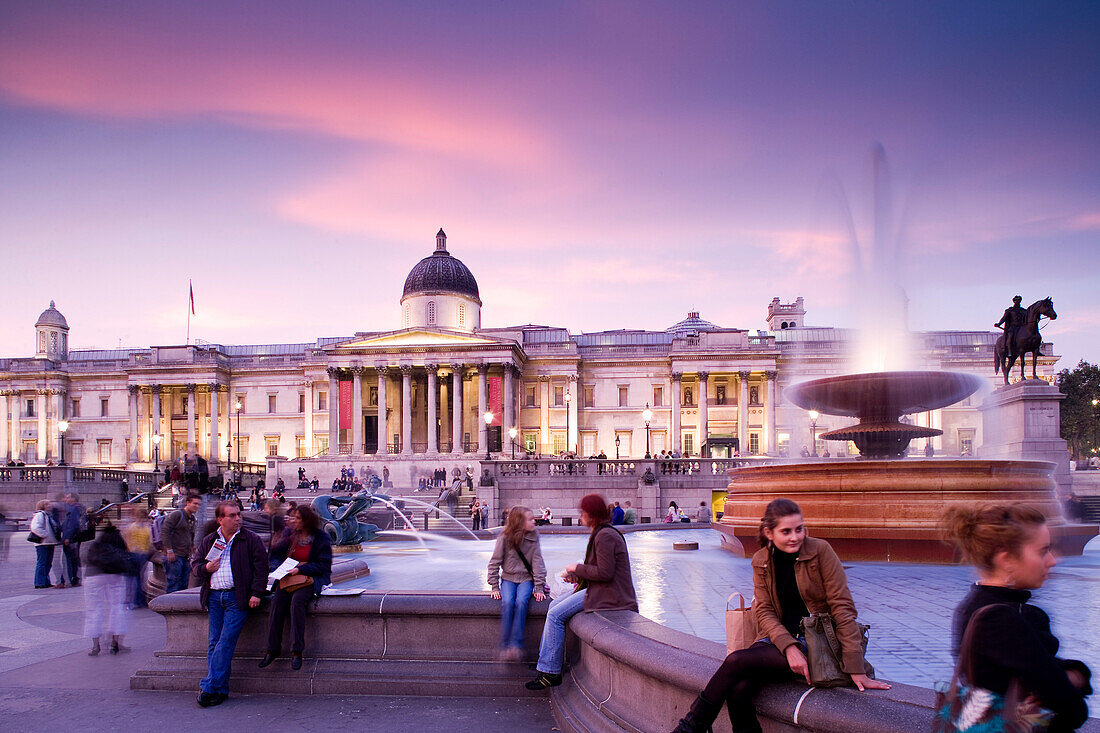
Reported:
(709, 466)
(420, 447)
(64, 474)
(557, 467)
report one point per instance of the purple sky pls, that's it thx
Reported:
(597, 165)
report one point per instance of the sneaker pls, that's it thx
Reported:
(543, 681)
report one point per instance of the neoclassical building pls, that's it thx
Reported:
(423, 392)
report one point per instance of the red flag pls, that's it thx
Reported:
(192, 291)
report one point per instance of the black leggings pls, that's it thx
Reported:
(293, 604)
(739, 679)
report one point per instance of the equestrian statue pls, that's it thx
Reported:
(1021, 336)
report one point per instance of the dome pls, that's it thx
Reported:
(692, 324)
(441, 272)
(52, 317)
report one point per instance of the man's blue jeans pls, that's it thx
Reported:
(226, 622)
(42, 566)
(177, 573)
(514, 598)
(552, 647)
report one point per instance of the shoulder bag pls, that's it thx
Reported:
(823, 652)
(963, 708)
(291, 583)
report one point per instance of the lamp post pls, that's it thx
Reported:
(62, 427)
(156, 452)
(647, 415)
(617, 439)
(488, 422)
(814, 415)
(229, 457)
(512, 432)
(568, 399)
(237, 406)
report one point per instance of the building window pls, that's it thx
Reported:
(530, 442)
(372, 396)
(271, 445)
(30, 408)
(462, 314)
(720, 394)
(754, 395)
(431, 312)
(658, 439)
(689, 397)
(966, 442)
(322, 400)
(271, 403)
(529, 393)
(104, 406)
(76, 407)
(557, 440)
(104, 447)
(589, 397)
(783, 443)
(754, 444)
(658, 396)
(321, 447)
(623, 442)
(240, 449)
(689, 443)
(589, 442)
(301, 402)
(559, 396)
(406, 316)
(300, 446)
(623, 396)
(240, 401)
(42, 341)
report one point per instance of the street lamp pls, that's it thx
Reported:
(814, 415)
(229, 458)
(237, 406)
(156, 451)
(64, 425)
(617, 439)
(512, 432)
(647, 415)
(488, 422)
(568, 399)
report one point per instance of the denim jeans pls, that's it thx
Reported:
(177, 573)
(226, 622)
(514, 598)
(72, 561)
(552, 647)
(44, 560)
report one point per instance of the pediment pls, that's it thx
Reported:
(417, 338)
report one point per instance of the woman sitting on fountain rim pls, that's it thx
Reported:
(603, 584)
(792, 576)
(305, 541)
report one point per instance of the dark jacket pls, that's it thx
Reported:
(178, 533)
(1014, 641)
(71, 521)
(319, 565)
(824, 589)
(247, 557)
(606, 572)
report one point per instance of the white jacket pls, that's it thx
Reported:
(40, 525)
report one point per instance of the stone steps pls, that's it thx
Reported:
(325, 676)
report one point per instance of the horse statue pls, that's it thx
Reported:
(1028, 341)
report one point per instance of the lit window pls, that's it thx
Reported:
(754, 444)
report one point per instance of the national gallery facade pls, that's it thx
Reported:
(425, 391)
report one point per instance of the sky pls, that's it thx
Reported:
(597, 165)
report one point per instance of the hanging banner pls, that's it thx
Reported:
(496, 400)
(345, 405)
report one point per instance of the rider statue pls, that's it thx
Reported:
(1012, 320)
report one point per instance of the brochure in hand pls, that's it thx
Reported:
(216, 550)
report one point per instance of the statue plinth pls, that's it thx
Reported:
(1022, 422)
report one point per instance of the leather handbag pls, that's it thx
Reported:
(824, 654)
(291, 583)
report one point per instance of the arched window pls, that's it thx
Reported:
(41, 340)
(462, 314)
(431, 312)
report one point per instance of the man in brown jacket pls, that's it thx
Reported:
(177, 537)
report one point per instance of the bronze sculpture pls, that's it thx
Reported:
(1021, 336)
(340, 517)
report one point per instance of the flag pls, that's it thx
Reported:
(191, 289)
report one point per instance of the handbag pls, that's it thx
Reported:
(291, 583)
(963, 708)
(823, 652)
(36, 539)
(741, 630)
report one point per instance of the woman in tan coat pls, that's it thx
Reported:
(516, 572)
(793, 576)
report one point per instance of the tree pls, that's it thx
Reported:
(1080, 412)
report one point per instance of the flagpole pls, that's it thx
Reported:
(190, 299)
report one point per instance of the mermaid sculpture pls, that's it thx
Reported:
(339, 517)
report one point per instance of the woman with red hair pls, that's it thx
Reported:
(603, 584)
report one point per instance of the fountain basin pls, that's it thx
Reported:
(890, 510)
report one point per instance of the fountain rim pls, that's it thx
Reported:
(811, 394)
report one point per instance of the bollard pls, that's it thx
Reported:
(425, 521)
(567, 521)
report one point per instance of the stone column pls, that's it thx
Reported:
(5, 430)
(406, 409)
(509, 419)
(308, 418)
(444, 409)
(40, 406)
(154, 407)
(16, 423)
(544, 414)
(433, 427)
(58, 416)
(333, 411)
(214, 452)
(770, 447)
(383, 427)
(703, 411)
(356, 410)
(743, 412)
(192, 418)
(571, 441)
(482, 407)
(675, 411)
(456, 407)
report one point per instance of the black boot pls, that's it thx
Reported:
(698, 719)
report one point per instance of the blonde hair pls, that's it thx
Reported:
(982, 532)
